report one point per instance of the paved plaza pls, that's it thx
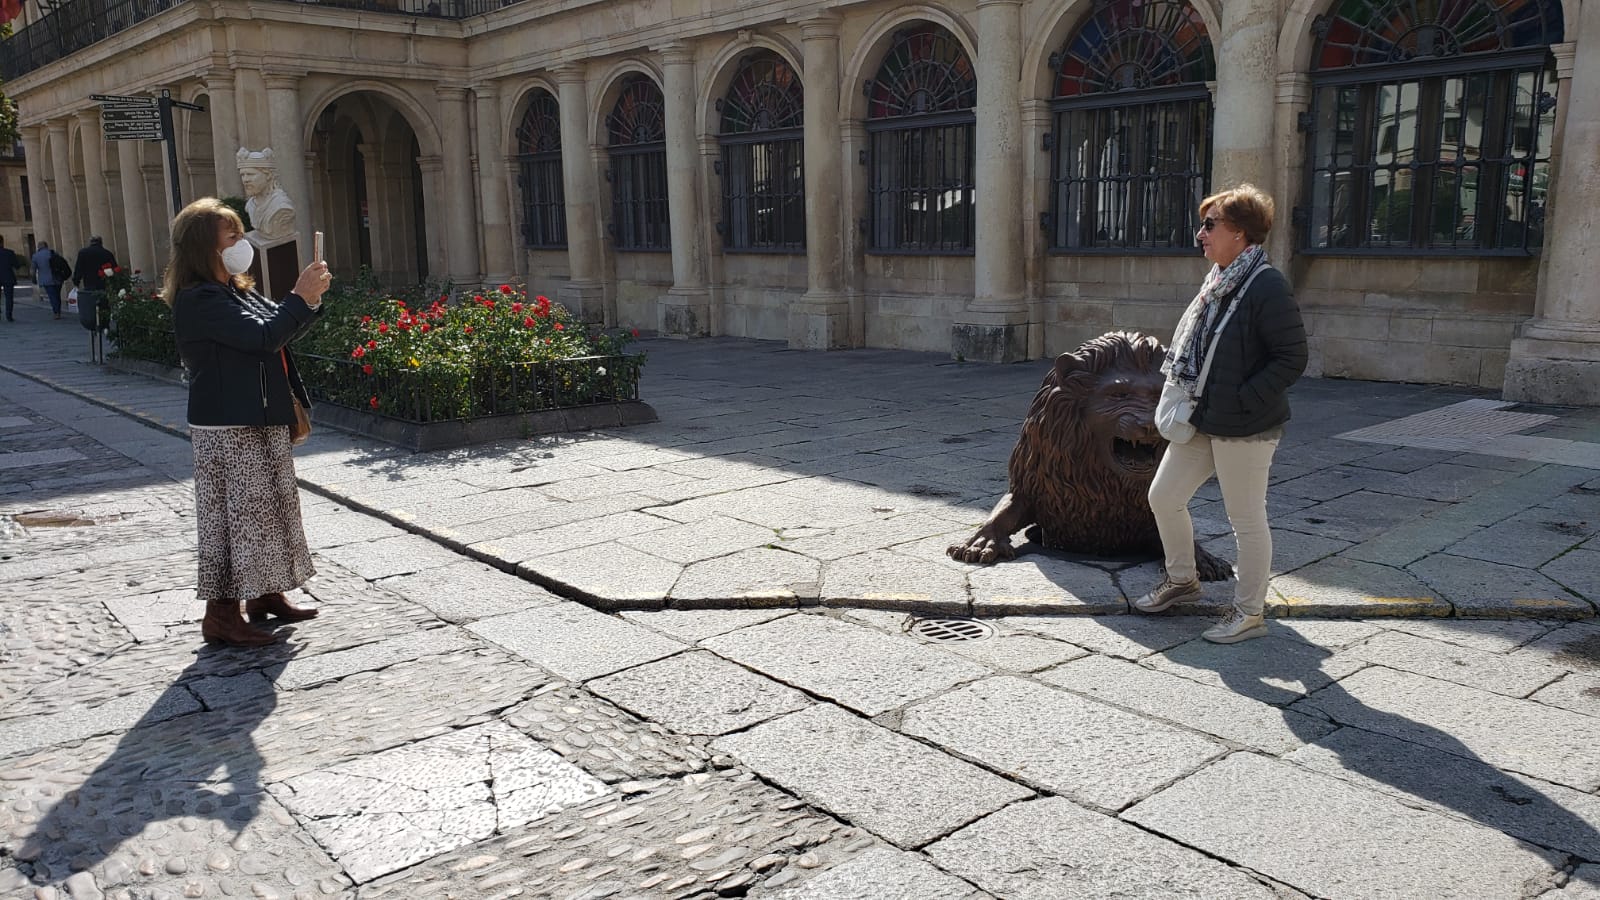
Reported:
(678, 660)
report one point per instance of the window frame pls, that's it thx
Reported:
(529, 166)
(635, 163)
(786, 142)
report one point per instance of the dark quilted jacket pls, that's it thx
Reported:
(1259, 354)
(232, 345)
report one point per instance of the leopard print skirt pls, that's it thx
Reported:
(247, 507)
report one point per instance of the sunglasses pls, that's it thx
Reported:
(1207, 224)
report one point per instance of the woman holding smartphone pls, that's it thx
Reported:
(245, 399)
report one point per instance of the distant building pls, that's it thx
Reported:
(996, 179)
(16, 206)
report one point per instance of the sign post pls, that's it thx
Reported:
(145, 119)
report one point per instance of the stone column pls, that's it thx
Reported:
(1289, 163)
(155, 174)
(141, 250)
(821, 319)
(434, 173)
(499, 251)
(462, 240)
(686, 309)
(225, 132)
(1247, 63)
(38, 197)
(584, 293)
(288, 148)
(94, 178)
(994, 326)
(1556, 357)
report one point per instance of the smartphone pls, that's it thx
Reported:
(316, 247)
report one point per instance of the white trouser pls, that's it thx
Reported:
(1241, 466)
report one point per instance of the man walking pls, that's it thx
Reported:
(89, 273)
(9, 262)
(47, 274)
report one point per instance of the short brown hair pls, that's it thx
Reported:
(194, 246)
(1246, 207)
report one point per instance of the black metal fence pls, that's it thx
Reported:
(75, 24)
(152, 344)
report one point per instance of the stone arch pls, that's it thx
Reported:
(611, 87)
(422, 122)
(78, 170)
(198, 151)
(1039, 78)
(1296, 42)
(726, 64)
(522, 92)
(875, 43)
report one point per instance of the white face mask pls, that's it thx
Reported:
(237, 259)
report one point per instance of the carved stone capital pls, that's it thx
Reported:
(676, 53)
(569, 73)
(819, 26)
(450, 93)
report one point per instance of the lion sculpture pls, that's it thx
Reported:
(1082, 468)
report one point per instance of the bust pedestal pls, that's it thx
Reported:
(276, 266)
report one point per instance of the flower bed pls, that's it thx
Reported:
(436, 372)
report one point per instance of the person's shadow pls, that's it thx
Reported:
(189, 769)
(1395, 753)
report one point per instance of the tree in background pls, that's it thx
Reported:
(9, 135)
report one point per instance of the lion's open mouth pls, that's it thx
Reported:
(1136, 457)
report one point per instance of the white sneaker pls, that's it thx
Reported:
(1167, 593)
(1235, 628)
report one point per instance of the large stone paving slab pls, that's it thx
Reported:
(608, 743)
(575, 642)
(866, 774)
(1579, 693)
(1049, 849)
(1037, 584)
(1516, 735)
(1529, 539)
(1225, 714)
(884, 874)
(1478, 588)
(1575, 647)
(467, 591)
(1536, 811)
(694, 625)
(885, 579)
(1488, 635)
(391, 556)
(1126, 637)
(699, 693)
(1462, 665)
(1274, 669)
(24, 734)
(1275, 818)
(381, 813)
(1356, 517)
(608, 575)
(1578, 571)
(755, 578)
(860, 668)
(1090, 752)
(1340, 586)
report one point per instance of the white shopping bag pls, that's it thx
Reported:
(72, 300)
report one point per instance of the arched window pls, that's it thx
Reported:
(762, 166)
(1131, 140)
(921, 129)
(1430, 127)
(544, 207)
(637, 132)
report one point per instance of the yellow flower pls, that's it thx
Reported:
(414, 363)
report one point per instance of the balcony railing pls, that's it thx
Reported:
(76, 24)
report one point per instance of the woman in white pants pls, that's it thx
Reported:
(1257, 351)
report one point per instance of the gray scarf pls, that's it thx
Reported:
(1197, 329)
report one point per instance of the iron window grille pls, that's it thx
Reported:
(763, 158)
(539, 176)
(27, 200)
(1131, 133)
(920, 146)
(1430, 128)
(638, 174)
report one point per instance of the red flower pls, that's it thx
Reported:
(425, 327)
(543, 299)
(528, 322)
(635, 332)
(383, 327)
(365, 319)
(400, 303)
(358, 352)
(516, 307)
(505, 288)
(488, 304)
(366, 369)
(373, 403)
(372, 345)
(477, 298)
(467, 329)
(560, 327)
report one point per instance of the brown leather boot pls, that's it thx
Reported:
(224, 625)
(277, 605)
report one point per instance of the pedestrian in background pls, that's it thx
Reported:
(243, 389)
(50, 271)
(94, 309)
(1246, 316)
(9, 263)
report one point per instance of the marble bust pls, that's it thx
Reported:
(272, 213)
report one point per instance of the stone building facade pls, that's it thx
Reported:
(16, 213)
(997, 179)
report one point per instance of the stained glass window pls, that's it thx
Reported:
(1131, 137)
(921, 135)
(1431, 126)
(763, 164)
(544, 209)
(638, 174)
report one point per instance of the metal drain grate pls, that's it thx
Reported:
(949, 631)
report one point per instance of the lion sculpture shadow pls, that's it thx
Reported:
(1082, 467)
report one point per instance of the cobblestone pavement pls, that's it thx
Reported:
(449, 729)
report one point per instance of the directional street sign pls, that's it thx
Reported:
(111, 100)
(130, 115)
(132, 131)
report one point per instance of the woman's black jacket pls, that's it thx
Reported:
(1260, 352)
(231, 342)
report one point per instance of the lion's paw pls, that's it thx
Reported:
(982, 548)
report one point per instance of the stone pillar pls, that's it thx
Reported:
(288, 148)
(1556, 357)
(1247, 62)
(155, 174)
(994, 326)
(1289, 164)
(821, 319)
(434, 174)
(584, 293)
(94, 178)
(462, 237)
(141, 249)
(225, 132)
(499, 251)
(686, 309)
(38, 197)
